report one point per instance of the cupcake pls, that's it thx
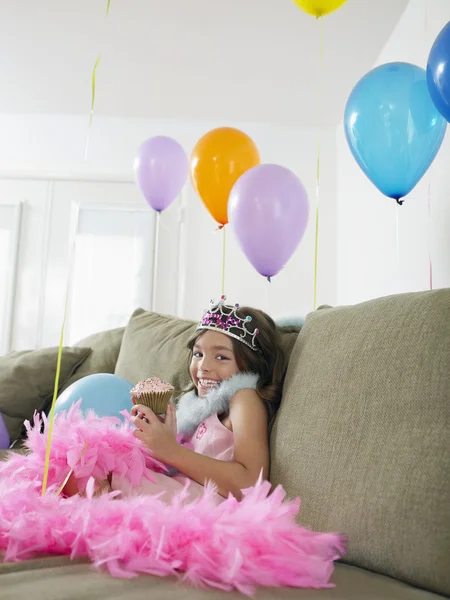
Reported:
(153, 393)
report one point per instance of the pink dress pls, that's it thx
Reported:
(211, 439)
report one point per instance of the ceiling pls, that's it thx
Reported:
(245, 60)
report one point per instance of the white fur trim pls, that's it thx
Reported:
(192, 410)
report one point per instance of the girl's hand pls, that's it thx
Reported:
(159, 437)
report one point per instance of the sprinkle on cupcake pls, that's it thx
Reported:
(150, 386)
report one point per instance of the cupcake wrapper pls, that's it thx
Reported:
(156, 401)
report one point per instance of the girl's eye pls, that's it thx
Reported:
(199, 354)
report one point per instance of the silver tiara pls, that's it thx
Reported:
(222, 317)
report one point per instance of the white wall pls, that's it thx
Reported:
(367, 221)
(52, 148)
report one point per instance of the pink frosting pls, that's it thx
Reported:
(151, 385)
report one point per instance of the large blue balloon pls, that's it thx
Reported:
(104, 393)
(393, 128)
(438, 72)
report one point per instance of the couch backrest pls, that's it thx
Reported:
(363, 433)
(105, 348)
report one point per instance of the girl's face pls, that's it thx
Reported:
(212, 361)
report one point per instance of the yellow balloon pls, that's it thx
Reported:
(319, 8)
(218, 160)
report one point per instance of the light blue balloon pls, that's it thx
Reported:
(104, 393)
(393, 128)
(438, 72)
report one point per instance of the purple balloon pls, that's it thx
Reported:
(4, 435)
(268, 210)
(161, 169)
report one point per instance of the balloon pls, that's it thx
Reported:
(268, 212)
(4, 435)
(218, 160)
(319, 8)
(438, 72)
(161, 169)
(104, 393)
(393, 129)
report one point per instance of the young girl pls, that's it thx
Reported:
(234, 535)
(236, 366)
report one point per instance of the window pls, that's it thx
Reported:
(112, 268)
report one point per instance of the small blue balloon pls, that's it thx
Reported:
(104, 393)
(438, 72)
(393, 128)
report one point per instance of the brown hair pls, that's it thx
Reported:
(269, 363)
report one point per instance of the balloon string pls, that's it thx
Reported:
(155, 259)
(224, 251)
(93, 83)
(91, 113)
(59, 356)
(55, 394)
(397, 233)
(93, 86)
(316, 241)
(430, 260)
(66, 301)
(267, 284)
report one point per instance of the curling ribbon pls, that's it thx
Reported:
(316, 243)
(63, 327)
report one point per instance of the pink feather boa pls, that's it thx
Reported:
(233, 545)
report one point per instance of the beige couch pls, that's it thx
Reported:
(363, 436)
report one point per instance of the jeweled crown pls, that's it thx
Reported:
(224, 318)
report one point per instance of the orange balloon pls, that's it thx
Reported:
(218, 160)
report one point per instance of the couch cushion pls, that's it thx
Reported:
(27, 379)
(363, 433)
(56, 577)
(105, 347)
(156, 345)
